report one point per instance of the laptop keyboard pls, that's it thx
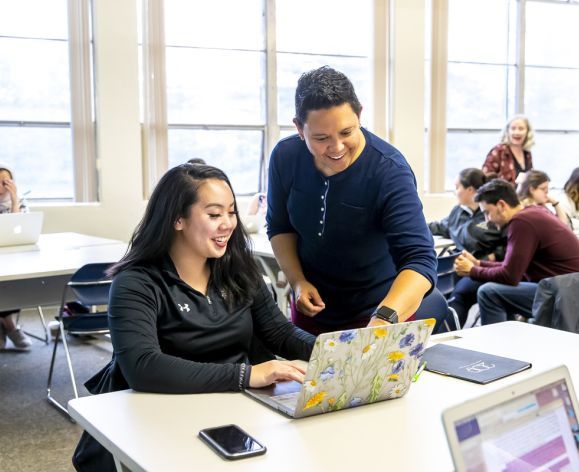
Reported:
(287, 399)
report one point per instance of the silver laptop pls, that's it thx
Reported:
(20, 228)
(352, 368)
(531, 425)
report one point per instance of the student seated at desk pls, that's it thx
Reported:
(466, 224)
(534, 190)
(539, 245)
(187, 301)
(570, 199)
(467, 227)
(9, 203)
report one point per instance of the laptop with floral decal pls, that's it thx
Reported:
(352, 368)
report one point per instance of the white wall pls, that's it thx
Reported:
(119, 140)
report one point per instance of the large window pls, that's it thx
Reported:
(551, 98)
(38, 74)
(503, 60)
(231, 69)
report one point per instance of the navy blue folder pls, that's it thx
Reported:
(474, 366)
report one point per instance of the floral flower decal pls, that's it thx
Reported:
(328, 373)
(380, 333)
(315, 400)
(368, 350)
(395, 356)
(330, 345)
(355, 401)
(397, 391)
(393, 378)
(347, 336)
(417, 350)
(310, 385)
(429, 322)
(407, 340)
(398, 366)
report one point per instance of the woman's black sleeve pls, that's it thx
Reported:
(133, 308)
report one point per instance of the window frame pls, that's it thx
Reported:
(436, 128)
(155, 124)
(82, 117)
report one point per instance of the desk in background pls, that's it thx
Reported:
(156, 432)
(263, 252)
(34, 275)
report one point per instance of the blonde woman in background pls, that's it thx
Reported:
(512, 157)
(534, 190)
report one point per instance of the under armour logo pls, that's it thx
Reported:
(185, 307)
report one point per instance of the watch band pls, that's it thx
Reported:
(387, 314)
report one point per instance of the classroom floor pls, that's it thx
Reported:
(34, 436)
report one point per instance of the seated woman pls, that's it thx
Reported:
(534, 190)
(570, 199)
(465, 224)
(467, 227)
(187, 302)
(9, 203)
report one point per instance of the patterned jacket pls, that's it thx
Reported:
(501, 161)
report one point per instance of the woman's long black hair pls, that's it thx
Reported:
(235, 274)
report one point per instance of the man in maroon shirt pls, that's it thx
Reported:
(538, 246)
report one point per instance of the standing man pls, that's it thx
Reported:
(344, 218)
(539, 245)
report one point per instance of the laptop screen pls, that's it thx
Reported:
(535, 431)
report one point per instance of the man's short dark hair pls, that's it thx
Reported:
(324, 88)
(495, 190)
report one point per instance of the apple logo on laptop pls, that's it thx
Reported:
(18, 229)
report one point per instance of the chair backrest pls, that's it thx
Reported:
(434, 306)
(446, 274)
(446, 263)
(556, 301)
(91, 285)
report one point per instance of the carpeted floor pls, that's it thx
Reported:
(34, 436)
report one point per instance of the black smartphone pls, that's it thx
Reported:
(231, 442)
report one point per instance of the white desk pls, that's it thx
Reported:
(263, 252)
(34, 275)
(159, 432)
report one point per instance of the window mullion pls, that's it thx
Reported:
(520, 69)
(271, 136)
(380, 65)
(82, 123)
(438, 108)
(155, 134)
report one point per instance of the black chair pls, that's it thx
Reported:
(556, 301)
(86, 315)
(436, 306)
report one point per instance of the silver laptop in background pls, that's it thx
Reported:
(352, 368)
(530, 425)
(20, 228)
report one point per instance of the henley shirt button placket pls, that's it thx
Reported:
(322, 220)
(322, 209)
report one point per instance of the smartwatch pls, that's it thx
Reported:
(386, 314)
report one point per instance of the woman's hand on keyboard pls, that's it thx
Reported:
(269, 372)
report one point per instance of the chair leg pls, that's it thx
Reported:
(46, 337)
(455, 318)
(59, 406)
